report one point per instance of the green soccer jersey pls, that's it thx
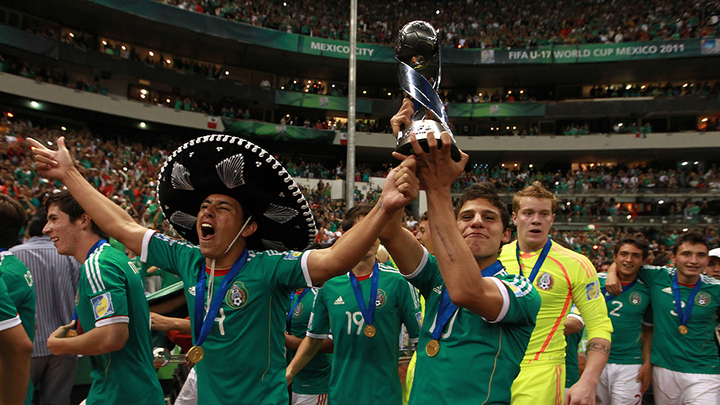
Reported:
(22, 293)
(627, 313)
(481, 357)
(244, 360)
(9, 317)
(110, 291)
(314, 378)
(694, 352)
(19, 281)
(365, 369)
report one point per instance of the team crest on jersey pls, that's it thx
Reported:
(545, 282)
(237, 295)
(293, 256)
(702, 299)
(635, 298)
(592, 290)
(380, 299)
(102, 305)
(191, 290)
(298, 311)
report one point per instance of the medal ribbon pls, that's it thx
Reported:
(91, 251)
(684, 316)
(203, 325)
(368, 311)
(625, 288)
(288, 321)
(538, 263)
(447, 308)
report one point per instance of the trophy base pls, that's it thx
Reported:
(422, 130)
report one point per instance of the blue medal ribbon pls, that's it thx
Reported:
(4, 249)
(294, 305)
(203, 325)
(95, 246)
(684, 316)
(538, 263)
(368, 311)
(625, 288)
(91, 251)
(447, 308)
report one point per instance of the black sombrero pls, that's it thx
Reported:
(224, 164)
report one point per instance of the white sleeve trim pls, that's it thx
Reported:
(10, 323)
(413, 340)
(578, 317)
(318, 336)
(145, 243)
(506, 300)
(420, 266)
(112, 320)
(306, 270)
(648, 324)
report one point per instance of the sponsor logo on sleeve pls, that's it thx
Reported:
(102, 305)
(592, 290)
(293, 256)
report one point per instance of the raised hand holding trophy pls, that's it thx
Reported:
(418, 52)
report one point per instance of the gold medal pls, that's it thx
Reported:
(370, 331)
(71, 333)
(195, 354)
(432, 348)
(683, 329)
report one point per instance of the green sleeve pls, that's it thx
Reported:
(289, 269)
(524, 300)
(410, 307)
(427, 276)
(107, 291)
(319, 325)
(8, 314)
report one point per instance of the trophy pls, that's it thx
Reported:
(162, 357)
(417, 51)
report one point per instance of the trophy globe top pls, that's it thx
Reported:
(418, 45)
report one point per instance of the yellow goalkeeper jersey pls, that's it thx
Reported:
(565, 278)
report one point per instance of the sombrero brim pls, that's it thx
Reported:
(232, 166)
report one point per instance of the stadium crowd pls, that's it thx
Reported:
(480, 24)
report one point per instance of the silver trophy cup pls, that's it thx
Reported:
(418, 52)
(162, 357)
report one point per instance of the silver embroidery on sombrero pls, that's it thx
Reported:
(187, 221)
(274, 245)
(280, 214)
(231, 171)
(180, 177)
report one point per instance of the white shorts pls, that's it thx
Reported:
(305, 399)
(676, 388)
(188, 393)
(618, 385)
